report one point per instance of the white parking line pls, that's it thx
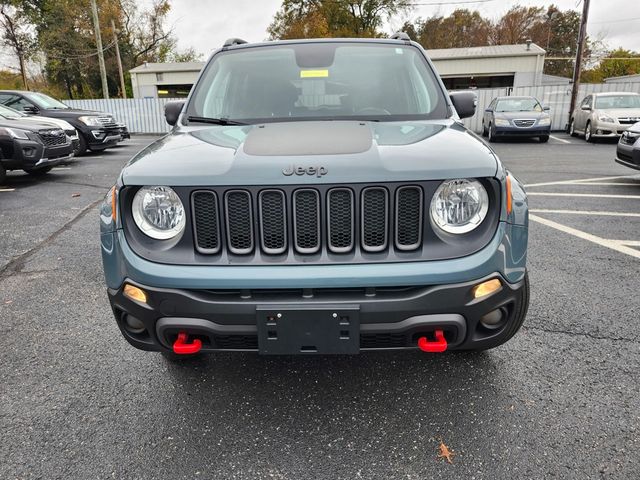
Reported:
(7, 189)
(607, 184)
(585, 212)
(61, 168)
(628, 243)
(559, 139)
(611, 244)
(591, 195)
(580, 181)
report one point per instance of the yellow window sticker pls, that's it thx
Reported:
(314, 73)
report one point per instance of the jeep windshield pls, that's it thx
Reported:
(319, 81)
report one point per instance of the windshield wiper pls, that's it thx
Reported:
(214, 121)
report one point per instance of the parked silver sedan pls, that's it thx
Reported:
(605, 115)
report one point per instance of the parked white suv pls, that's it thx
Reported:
(605, 115)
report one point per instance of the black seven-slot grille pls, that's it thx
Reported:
(305, 219)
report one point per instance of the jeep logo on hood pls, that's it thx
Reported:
(318, 171)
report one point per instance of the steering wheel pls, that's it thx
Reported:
(373, 111)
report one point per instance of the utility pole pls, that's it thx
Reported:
(115, 41)
(103, 70)
(582, 37)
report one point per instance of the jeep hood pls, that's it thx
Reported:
(312, 152)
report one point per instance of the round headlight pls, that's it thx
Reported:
(158, 212)
(459, 206)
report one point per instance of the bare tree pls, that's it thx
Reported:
(16, 35)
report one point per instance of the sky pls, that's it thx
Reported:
(206, 24)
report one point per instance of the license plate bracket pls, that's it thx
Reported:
(301, 329)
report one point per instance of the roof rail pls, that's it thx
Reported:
(400, 36)
(234, 41)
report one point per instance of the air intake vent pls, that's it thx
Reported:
(306, 220)
(375, 219)
(205, 222)
(273, 225)
(239, 222)
(408, 217)
(340, 213)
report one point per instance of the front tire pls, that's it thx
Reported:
(572, 128)
(543, 138)
(82, 147)
(588, 134)
(3, 173)
(492, 133)
(484, 130)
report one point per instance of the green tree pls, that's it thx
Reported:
(616, 63)
(333, 18)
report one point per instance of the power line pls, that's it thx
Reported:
(449, 3)
(618, 20)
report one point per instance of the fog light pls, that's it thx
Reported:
(135, 293)
(486, 288)
(493, 319)
(133, 324)
(599, 132)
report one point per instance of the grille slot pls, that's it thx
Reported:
(239, 222)
(306, 220)
(273, 225)
(340, 221)
(53, 138)
(524, 122)
(383, 340)
(374, 219)
(206, 224)
(409, 213)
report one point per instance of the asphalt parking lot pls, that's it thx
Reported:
(561, 399)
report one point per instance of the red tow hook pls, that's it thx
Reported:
(181, 347)
(436, 346)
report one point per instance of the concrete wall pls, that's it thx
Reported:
(145, 84)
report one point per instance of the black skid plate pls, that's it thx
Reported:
(302, 329)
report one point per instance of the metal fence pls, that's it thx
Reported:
(556, 97)
(141, 115)
(146, 115)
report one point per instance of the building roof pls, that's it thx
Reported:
(488, 51)
(168, 67)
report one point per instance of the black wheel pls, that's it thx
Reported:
(3, 173)
(492, 133)
(82, 145)
(588, 134)
(484, 129)
(97, 149)
(543, 138)
(520, 313)
(39, 172)
(572, 128)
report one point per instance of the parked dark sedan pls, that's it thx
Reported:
(629, 147)
(97, 130)
(517, 117)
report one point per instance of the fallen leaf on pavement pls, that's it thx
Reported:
(75, 195)
(445, 452)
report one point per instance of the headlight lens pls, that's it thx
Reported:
(544, 121)
(91, 121)
(459, 206)
(501, 122)
(606, 118)
(15, 133)
(158, 212)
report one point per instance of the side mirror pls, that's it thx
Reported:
(488, 110)
(172, 111)
(464, 103)
(32, 109)
(546, 109)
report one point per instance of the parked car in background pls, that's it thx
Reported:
(11, 114)
(516, 117)
(32, 147)
(628, 151)
(97, 130)
(605, 115)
